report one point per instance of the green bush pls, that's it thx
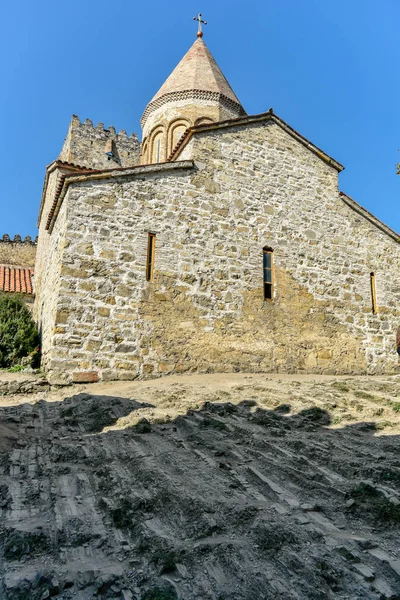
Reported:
(18, 333)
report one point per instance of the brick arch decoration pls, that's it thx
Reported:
(173, 128)
(192, 95)
(157, 133)
(203, 121)
(144, 152)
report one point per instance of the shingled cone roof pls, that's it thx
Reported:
(197, 71)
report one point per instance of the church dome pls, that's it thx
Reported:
(196, 92)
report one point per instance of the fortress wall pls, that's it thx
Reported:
(86, 145)
(17, 251)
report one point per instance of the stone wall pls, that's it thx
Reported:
(29, 385)
(17, 251)
(176, 116)
(252, 186)
(87, 145)
(48, 267)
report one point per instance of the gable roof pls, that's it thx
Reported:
(65, 167)
(369, 216)
(249, 120)
(82, 174)
(137, 171)
(16, 279)
(71, 172)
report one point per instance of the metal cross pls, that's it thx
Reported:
(199, 19)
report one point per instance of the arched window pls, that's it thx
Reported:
(157, 147)
(268, 273)
(175, 132)
(144, 152)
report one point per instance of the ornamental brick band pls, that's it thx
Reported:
(191, 95)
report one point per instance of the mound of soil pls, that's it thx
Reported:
(203, 488)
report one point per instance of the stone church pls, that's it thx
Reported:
(221, 242)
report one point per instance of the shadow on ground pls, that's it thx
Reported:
(229, 501)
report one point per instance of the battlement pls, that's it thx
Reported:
(95, 147)
(18, 239)
(18, 251)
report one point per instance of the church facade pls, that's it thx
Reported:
(219, 243)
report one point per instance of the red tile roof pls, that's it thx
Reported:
(16, 279)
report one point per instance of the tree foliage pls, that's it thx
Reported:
(18, 333)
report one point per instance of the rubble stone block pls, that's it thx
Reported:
(85, 376)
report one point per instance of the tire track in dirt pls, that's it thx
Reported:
(229, 500)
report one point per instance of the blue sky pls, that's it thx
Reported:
(330, 69)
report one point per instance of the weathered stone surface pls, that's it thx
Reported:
(93, 345)
(87, 145)
(17, 252)
(85, 377)
(204, 310)
(23, 386)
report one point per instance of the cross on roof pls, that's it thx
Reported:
(199, 19)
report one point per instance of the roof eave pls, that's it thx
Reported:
(248, 120)
(139, 170)
(369, 217)
(56, 164)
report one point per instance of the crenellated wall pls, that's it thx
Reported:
(17, 251)
(87, 145)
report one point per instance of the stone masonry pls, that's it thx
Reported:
(88, 145)
(18, 251)
(229, 189)
(195, 92)
(240, 188)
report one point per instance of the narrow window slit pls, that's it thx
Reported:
(268, 273)
(151, 247)
(373, 293)
(158, 151)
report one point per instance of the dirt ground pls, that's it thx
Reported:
(214, 487)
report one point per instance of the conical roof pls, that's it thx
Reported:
(197, 71)
(196, 77)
